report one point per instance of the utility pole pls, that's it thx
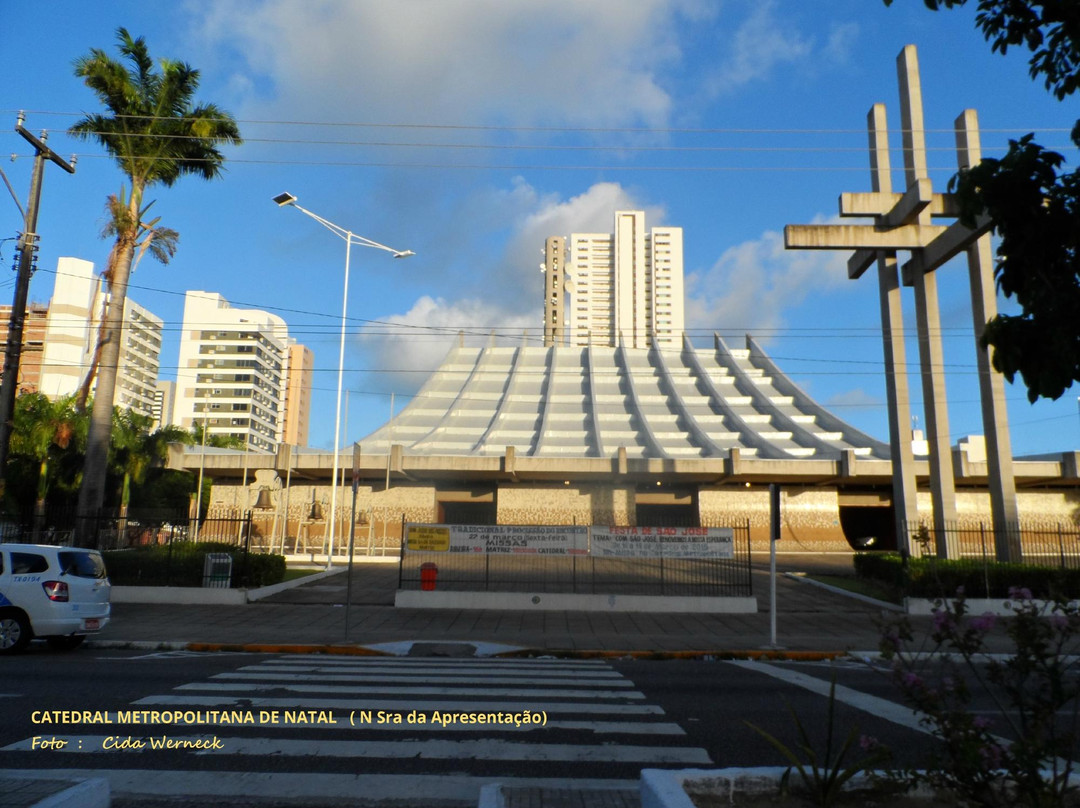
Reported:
(27, 250)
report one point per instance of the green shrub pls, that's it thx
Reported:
(182, 564)
(938, 578)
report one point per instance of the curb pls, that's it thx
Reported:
(752, 654)
(62, 793)
(522, 653)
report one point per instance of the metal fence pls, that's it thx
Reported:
(1044, 546)
(581, 574)
(113, 531)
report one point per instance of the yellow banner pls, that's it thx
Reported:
(429, 538)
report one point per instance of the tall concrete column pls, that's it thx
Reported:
(898, 398)
(927, 316)
(1002, 484)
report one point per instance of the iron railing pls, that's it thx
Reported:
(581, 574)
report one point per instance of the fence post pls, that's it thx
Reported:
(1061, 546)
(749, 559)
(246, 521)
(986, 564)
(401, 557)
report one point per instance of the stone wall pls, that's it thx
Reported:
(810, 517)
(557, 504)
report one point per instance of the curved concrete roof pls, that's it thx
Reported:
(577, 402)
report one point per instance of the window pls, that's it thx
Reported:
(28, 563)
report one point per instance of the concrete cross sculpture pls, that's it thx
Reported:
(905, 222)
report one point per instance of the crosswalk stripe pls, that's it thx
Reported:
(420, 789)
(449, 680)
(390, 705)
(405, 669)
(487, 749)
(600, 677)
(487, 662)
(391, 690)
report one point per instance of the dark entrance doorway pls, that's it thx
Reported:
(868, 528)
(467, 513)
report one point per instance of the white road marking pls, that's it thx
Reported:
(439, 670)
(391, 690)
(417, 788)
(874, 705)
(427, 679)
(485, 749)
(390, 705)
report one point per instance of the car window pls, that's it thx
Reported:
(81, 565)
(28, 563)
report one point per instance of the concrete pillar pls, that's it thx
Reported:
(1002, 484)
(928, 319)
(898, 398)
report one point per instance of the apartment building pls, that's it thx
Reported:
(33, 344)
(70, 335)
(233, 371)
(620, 288)
(298, 394)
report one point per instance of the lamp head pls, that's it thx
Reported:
(284, 199)
(403, 254)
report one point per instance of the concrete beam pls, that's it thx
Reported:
(864, 204)
(856, 237)
(859, 262)
(955, 239)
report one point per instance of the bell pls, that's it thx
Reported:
(263, 500)
(316, 512)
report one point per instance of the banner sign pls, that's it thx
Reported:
(663, 542)
(499, 539)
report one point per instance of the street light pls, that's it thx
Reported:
(288, 200)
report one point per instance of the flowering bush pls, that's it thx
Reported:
(1034, 691)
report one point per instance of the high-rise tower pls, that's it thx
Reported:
(621, 288)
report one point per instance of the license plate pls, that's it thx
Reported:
(92, 624)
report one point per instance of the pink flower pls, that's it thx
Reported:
(868, 743)
(911, 679)
(942, 620)
(991, 755)
(983, 623)
(1019, 593)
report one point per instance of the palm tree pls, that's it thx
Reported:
(45, 430)
(136, 449)
(156, 135)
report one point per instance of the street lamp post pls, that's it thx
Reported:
(288, 200)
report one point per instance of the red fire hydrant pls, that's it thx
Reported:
(429, 572)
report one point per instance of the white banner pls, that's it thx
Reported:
(663, 542)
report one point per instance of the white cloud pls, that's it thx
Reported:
(512, 299)
(857, 399)
(761, 42)
(751, 285)
(523, 62)
(415, 343)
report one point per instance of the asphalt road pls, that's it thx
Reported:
(605, 721)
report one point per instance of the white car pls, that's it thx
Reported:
(59, 594)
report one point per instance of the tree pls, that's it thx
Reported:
(136, 449)
(196, 438)
(46, 433)
(156, 135)
(1034, 205)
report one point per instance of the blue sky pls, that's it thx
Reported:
(469, 130)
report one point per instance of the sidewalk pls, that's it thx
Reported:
(809, 619)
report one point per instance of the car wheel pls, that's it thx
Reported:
(68, 643)
(15, 632)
